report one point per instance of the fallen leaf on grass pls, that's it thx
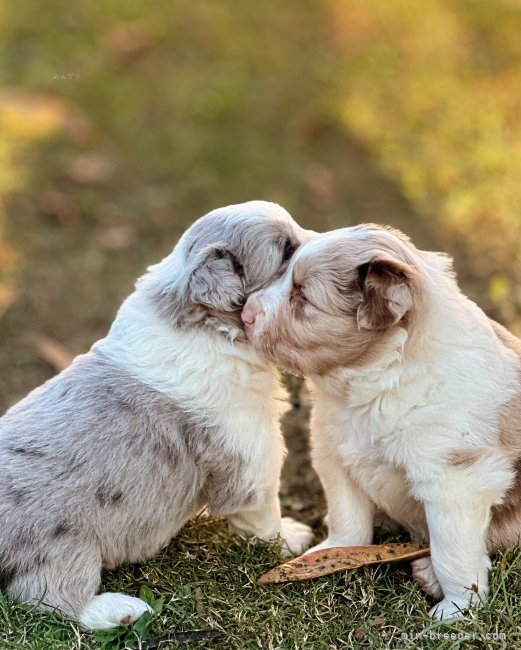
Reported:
(117, 238)
(199, 607)
(128, 41)
(90, 168)
(56, 354)
(341, 558)
(60, 206)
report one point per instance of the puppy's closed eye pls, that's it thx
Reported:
(297, 294)
(237, 266)
(289, 249)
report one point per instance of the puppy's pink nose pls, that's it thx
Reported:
(248, 317)
(251, 310)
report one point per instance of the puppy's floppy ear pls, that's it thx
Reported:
(387, 287)
(216, 280)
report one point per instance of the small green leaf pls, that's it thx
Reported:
(140, 627)
(109, 638)
(157, 605)
(146, 594)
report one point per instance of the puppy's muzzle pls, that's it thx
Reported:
(252, 310)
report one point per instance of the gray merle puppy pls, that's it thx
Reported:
(172, 411)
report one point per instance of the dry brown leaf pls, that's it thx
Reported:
(360, 633)
(199, 607)
(90, 168)
(56, 354)
(341, 558)
(127, 41)
(117, 238)
(58, 205)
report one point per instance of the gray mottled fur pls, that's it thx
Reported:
(98, 468)
(224, 263)
(76, 499)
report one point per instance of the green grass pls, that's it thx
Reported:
(207, 580)
(343, 112)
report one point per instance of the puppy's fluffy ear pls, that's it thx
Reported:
(216, 280)
(387, 287)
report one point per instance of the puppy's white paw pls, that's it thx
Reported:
(450, 608)
(110, 610)
(296, 536)
(423, 573)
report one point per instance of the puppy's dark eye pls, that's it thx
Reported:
(289, 249)
(237, 266)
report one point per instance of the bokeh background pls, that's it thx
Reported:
(121, 123)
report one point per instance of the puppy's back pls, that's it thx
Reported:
(92, 454)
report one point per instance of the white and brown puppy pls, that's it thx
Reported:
(172, 411)
(417, 400)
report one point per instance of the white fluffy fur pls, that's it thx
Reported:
(110, 610)
(214, 402)
(210, 374)
(382, 433)
(394, 429)
(205, 373)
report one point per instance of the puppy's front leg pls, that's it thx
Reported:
(457, 529)
(350, 510)
(266, 523)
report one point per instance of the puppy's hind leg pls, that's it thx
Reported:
(423, 573)
(111, 609)
(66, 581)
(61, 577)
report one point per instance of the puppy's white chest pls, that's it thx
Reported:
(384, 482)
(373, 441)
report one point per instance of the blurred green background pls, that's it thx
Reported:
(120, 123)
